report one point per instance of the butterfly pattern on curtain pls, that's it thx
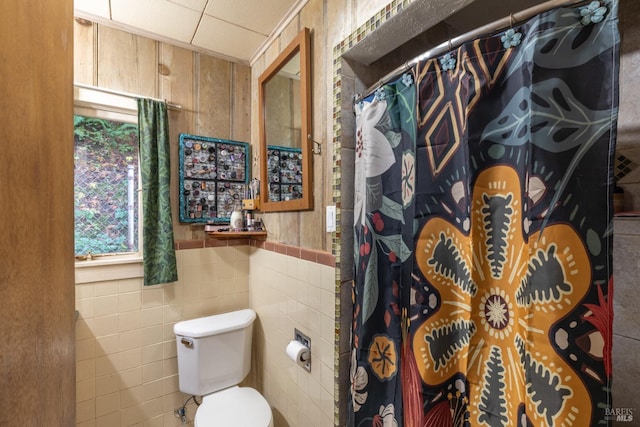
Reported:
(482, 230)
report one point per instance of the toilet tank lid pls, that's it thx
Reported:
(216, 324)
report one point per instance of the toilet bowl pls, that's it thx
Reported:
(235, 406)
(214, 356)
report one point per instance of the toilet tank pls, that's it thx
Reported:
(214, 352)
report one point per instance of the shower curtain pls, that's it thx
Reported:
(482, 231)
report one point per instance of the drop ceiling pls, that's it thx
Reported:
(233, 29)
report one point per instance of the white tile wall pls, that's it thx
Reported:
(125, 348)
(289, 293)
(126, 367)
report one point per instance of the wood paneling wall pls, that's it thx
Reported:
(216, 96)
(305, 229)
(37, 345)
(214, 93)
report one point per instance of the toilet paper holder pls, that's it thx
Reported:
(306, 341)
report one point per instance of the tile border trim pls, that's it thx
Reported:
(318, 257)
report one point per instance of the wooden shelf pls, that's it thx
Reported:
(260, 235)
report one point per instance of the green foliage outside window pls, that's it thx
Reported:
(104, 150)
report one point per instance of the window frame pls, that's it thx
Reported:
(95, 103)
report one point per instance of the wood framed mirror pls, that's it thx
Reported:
(284, 119)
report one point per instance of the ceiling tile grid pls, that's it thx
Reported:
(230, 28)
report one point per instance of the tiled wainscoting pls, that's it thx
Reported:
(290, 292)
(126, 354)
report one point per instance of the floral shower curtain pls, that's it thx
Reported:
(482, 230)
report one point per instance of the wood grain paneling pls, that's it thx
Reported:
(303, 228)
(241, 103)
(176, 69)
(37, 350)
(84, 57)
(127, 62)
(313, 16)
(214, 95)
(290, 232)
(176, 75)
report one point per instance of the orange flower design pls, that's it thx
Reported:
(499, 297)
(383, 357)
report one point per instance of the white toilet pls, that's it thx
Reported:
(214, 356)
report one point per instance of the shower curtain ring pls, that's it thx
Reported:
(450, 45)
(511, 20)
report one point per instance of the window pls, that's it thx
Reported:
(106, 183)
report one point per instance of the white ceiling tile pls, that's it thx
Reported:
(191, 4)
(228, 39)
(92, 7)
(261, 16)
(232, 28)
(157, 16)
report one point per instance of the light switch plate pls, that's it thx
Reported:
(331, 219)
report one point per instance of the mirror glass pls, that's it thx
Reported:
(286, 174)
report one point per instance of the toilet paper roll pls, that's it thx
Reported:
(298, 352)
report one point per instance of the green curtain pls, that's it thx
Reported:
(157, 226)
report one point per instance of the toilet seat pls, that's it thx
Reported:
(234, 406)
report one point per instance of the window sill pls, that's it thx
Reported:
(109, 268)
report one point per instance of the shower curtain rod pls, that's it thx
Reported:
(507, 21)
(170, 105)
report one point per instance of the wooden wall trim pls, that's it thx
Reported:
(37, 319)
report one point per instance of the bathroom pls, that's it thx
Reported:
(125, 355)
